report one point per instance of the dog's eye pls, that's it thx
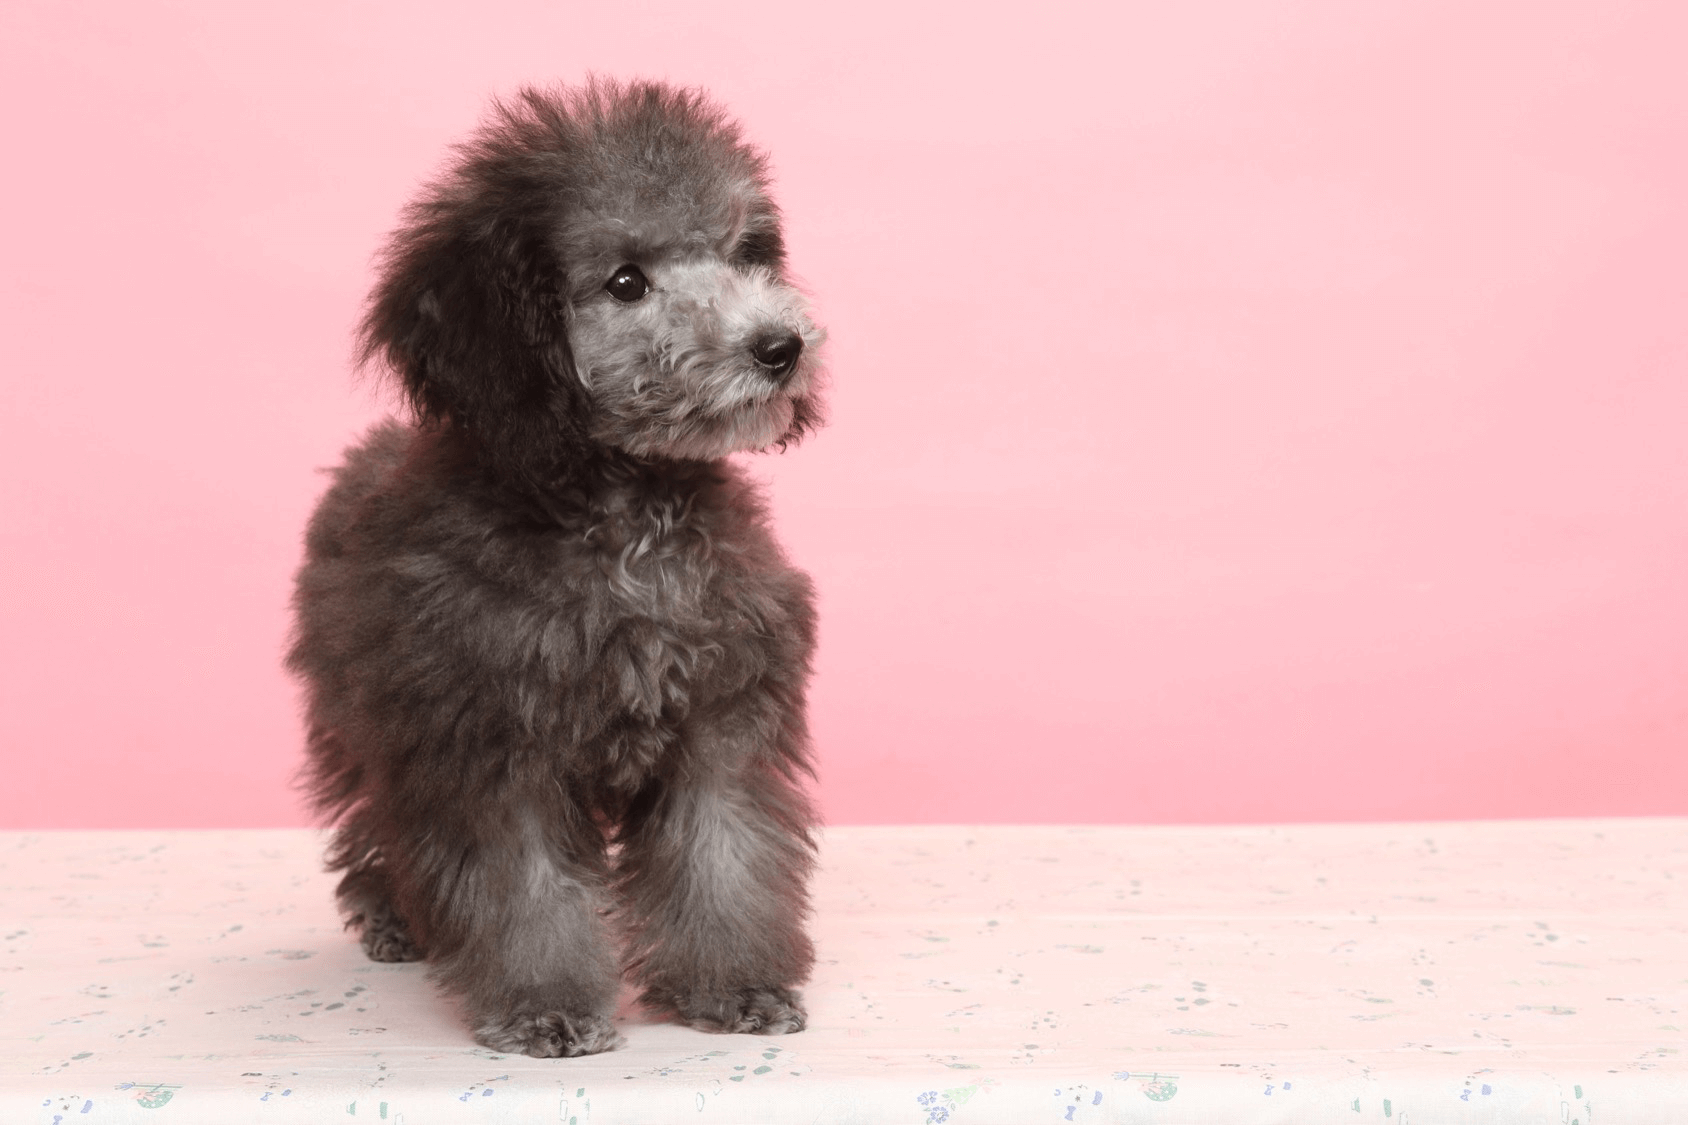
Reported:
(628, 284)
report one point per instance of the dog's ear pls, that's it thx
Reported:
(470, 310)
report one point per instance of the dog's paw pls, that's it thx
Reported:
(759, 1011)
(387, 939)
(549, 1035)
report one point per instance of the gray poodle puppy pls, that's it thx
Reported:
(554, 660)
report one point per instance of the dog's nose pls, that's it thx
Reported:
(778, 353)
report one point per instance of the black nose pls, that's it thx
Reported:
(778, 353)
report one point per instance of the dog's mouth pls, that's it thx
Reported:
(692, 431)
(778, 415)
(753, 426)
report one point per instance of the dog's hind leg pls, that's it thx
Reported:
(714, 879)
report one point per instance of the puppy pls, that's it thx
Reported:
(554, 661)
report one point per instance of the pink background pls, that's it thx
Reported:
(1243, 412)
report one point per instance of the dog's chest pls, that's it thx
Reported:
(685, 608)
(674, 570)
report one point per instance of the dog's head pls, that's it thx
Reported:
(602, 267)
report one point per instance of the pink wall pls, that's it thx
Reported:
(1245, 411)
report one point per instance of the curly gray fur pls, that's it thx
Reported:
(554, 660)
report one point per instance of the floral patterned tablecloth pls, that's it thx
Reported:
(1532, 971)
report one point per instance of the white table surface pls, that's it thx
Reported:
(1531, 971)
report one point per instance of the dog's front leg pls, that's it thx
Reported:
(513, 926)
(714, 876)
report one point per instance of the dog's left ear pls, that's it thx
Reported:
(470, 314)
